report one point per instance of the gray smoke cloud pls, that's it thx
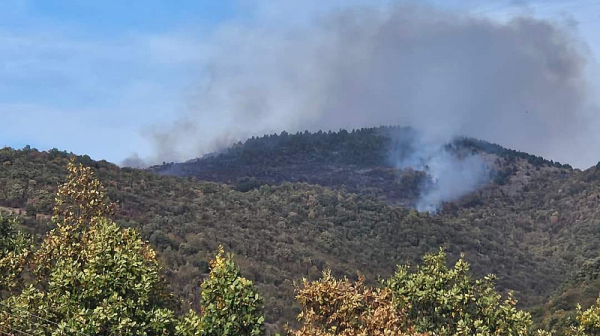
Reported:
(520, 83)
(134, 161)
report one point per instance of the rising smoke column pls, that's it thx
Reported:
(451, 173)
(519, 83)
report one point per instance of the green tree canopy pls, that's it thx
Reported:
(92, 276)
(14, 251)
(230, 303)
(587, 322)
(447, 301)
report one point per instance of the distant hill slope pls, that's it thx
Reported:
(582, 288)
(362, 161)
(535, 229)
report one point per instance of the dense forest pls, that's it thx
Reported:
(534, 225)
(363, 161)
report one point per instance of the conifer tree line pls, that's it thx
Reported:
(91, 277)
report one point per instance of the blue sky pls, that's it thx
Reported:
(87, 76)
(94, 77)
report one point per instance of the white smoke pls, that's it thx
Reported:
(521, 83)
(451, 174)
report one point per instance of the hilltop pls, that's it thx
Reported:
(365, 161)
(535, 224)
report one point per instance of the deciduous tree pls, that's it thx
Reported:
(447, 301)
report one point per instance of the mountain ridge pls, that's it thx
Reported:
(366, 161)
(535, 230)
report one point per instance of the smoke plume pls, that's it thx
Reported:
(451, 174)
(452, 179)
(520, 83)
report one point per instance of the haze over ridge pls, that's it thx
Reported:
(520, 83)
(108, 79)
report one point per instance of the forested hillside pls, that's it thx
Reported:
(536, 227)
(363, 161)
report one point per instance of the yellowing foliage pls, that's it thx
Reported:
(587, 322)
(80, 202)
(340, 307)
(82, 198)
